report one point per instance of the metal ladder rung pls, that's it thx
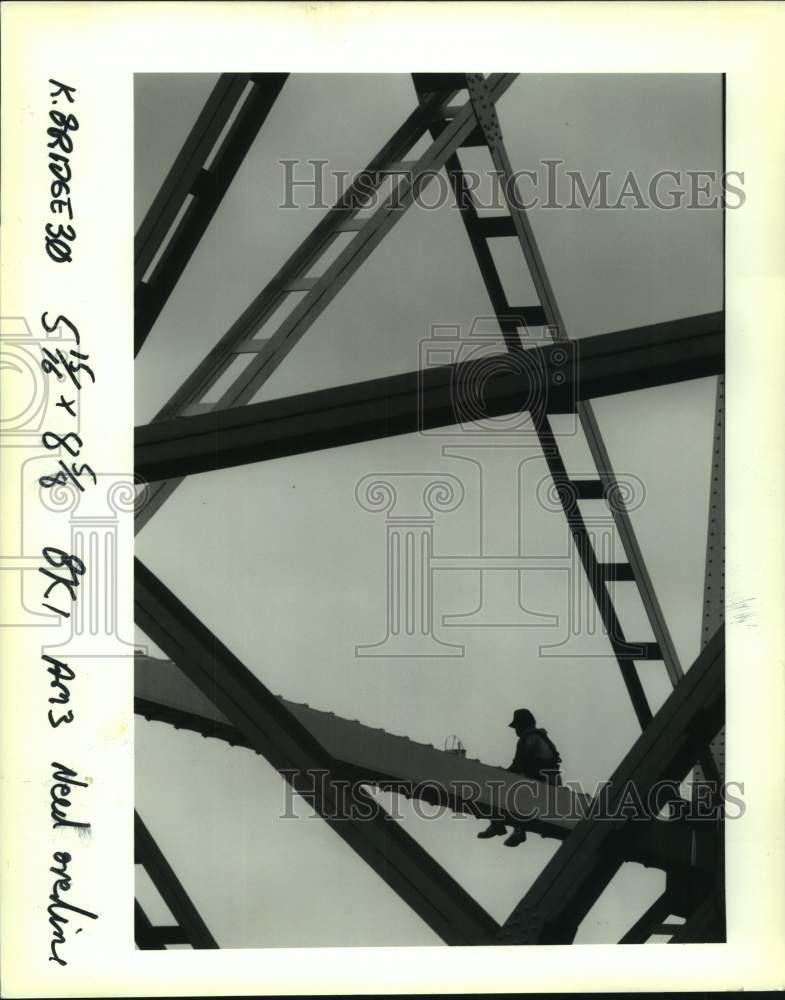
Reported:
(631, 650)
(588, 489)
(531, 315)
(511, 316)
(300, 285)
(171, 934)
(203, 183)
(350, 226)
(617, 571)
(399, 167)
(253, 345)
(496, 225)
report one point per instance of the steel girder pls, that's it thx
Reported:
(698, 363)
(415, 770)
(276, 734)
(519, 226)
(572, 881)
(263, 355)
(189, 927)
(189, 176)
(439, 397)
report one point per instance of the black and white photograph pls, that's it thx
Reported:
(391, 550)
(430, 378)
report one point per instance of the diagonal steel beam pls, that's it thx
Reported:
(365, 241)
(148, 854)
(268, 354)
(401, 404)
(191, 176)
(576, 876)
(162, 693)
(274, 732)
(189, 161)
(625, 653)
(485, 104)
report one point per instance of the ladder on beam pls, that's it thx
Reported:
(248, 359)
(475, 124)
(511, 319)
(188, 928)
(708, 916)
(254, 358)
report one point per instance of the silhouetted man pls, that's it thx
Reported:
(536, 758)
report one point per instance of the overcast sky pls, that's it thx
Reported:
(284, 565)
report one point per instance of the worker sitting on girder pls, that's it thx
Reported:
(537, 758)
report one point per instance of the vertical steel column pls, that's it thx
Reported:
(714, 576)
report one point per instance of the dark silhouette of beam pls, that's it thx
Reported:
(273, 731)
(573, 880)
(206, 186)
(543, 379)
(190, 929)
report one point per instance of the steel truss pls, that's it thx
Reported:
(163, 693)
(401, 404)
(234, 113)
(274, 732)
(189, 435)
(189, 928)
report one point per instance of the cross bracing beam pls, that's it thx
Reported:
(438, 397)
(163, 693)
(517, 225)
(572, 881)
(189, 928)
(274, 732)
(367, 237)
(239, 101)
(535, 313)
(262, 355)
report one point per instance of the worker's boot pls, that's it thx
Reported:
(494, 830)
(517, 836)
